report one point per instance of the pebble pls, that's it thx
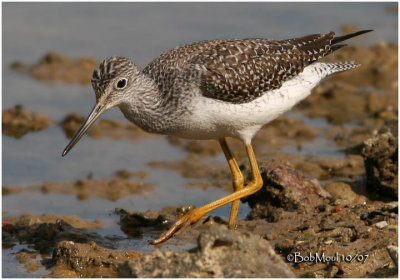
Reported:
(393, 252)
(328, 242)
(381, 224)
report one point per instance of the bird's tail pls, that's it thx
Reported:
(339, 39)
(334, 43)
(333, 68)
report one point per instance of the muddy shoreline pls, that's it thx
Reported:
(340, 206)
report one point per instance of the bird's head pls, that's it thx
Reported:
(115, 81)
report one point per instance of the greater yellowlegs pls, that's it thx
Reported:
(213, 90)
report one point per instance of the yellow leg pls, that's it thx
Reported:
(195, 215)
(238, 181)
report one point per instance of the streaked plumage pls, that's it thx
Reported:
(213, 90)
(239, 70)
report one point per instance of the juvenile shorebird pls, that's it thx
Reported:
(213, 90)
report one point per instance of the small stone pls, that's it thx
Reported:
(393, 253)
(337, 209)
(381, 225)
(328, 242)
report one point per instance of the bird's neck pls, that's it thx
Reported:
(145, 108)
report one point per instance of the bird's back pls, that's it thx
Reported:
(239, 70)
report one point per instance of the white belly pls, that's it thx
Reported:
(214, 119)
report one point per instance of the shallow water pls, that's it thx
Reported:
(140, 31)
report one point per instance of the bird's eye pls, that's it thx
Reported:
(121, 84)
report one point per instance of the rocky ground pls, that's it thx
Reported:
(343, 212)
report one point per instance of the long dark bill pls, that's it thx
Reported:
(97, 110)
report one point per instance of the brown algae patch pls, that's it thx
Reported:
(104, 128)
(16, 122)
(55, 67)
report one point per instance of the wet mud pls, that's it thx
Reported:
(121, 184)
(17, 121)
(342, 205)
(219, 253)
(75, 260)
(381, 160)
(204, 171)
(54, 67)
(66, 246)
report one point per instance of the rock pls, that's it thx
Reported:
(381, 225)
(287, 189)
(380, 155)
(394, 254)
(343, 191)
(220, 253)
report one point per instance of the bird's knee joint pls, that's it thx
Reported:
(238, 182)
(259, 183)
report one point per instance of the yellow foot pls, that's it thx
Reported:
(195, 215)
(183, 223)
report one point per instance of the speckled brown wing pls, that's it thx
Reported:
(239, 71)
(167, 67)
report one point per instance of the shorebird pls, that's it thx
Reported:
(213, 90)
